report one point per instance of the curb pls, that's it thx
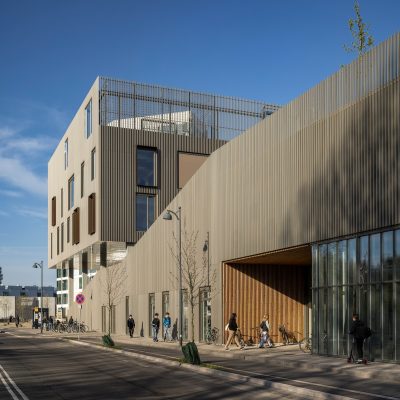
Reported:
(232, 376)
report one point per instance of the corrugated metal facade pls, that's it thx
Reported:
(324, 166)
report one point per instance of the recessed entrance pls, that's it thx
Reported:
(278, 284)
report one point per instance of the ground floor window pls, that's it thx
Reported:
(358, 275)
(185, 300)
(152, 311)
(165, 308)
(104, 319)
(205, 313)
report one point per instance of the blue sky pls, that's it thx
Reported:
(52, 51)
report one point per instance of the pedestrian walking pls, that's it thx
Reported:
(17, 321)
(232, 329)
(167, 327)
(131, 325)
(360, 332)
(264, 332)
(155, 324)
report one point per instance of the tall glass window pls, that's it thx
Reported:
(82, 179)
(165, 308)
(93, 164)
(145, 211)
(152, 311)
(205, 313)
(146, 165)
(71, 192)
(66, 154)
(88, 119)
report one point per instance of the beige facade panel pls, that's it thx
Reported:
(188, 164)
(324, 166)
(60, 172)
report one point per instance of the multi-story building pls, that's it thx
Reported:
(301, 214)
(126, 154)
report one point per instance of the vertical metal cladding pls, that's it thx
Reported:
(169, 120)
(324, 166)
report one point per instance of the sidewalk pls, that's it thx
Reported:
(285, 364)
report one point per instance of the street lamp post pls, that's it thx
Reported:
(37, 265)
(167, 216)
(206, 248)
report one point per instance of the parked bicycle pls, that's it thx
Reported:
(212, 335)
(306, 345)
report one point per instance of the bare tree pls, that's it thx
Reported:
(362, 40)
(194, 272)
(113, 280)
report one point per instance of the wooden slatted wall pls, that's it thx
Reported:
(254, 290)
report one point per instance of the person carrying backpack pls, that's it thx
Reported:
(360, 332)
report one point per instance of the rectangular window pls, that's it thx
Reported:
(64, 285)
(152, 310)
(51, 245)
(92, 214)
(165, 307)
(66, 154)
(103, 318)
(113, 319)
(68, 228)
(88, 119)
(146, 166)
(62, 237)
(82, 179)
(58, 240)
(145, 211)
(80, 282)
(71, 192)
(58, 272)
(93, 164)
(62, 202)
(53, 211)
(65, 272)
(75, 226)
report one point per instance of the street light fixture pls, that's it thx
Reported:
(37, 265)
(168, 217)
(206, 248)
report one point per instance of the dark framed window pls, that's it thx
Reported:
(152, 310)
(75, 226)
(58, 240)
(62, 237)
(93, 164)
(92, 214)
(82, 179)
(62, 202)
(145, 211)
(68, 228)
(53, 211)
(146, 166)
(71, 189)
(88, 119)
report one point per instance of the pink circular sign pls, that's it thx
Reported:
(80, 298)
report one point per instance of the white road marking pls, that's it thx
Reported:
(8, 388)
(21, 393)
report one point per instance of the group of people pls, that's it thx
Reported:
(233, 330)
(155, 326)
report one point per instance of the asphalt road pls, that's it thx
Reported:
(34, 367)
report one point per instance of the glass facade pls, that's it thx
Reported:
(357, 275)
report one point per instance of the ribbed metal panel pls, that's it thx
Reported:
(324, 166)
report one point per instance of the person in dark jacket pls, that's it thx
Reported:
(357, 330)
(155, 324)
(131, 325)
(232, 328)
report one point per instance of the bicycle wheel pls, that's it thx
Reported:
(305, 345)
